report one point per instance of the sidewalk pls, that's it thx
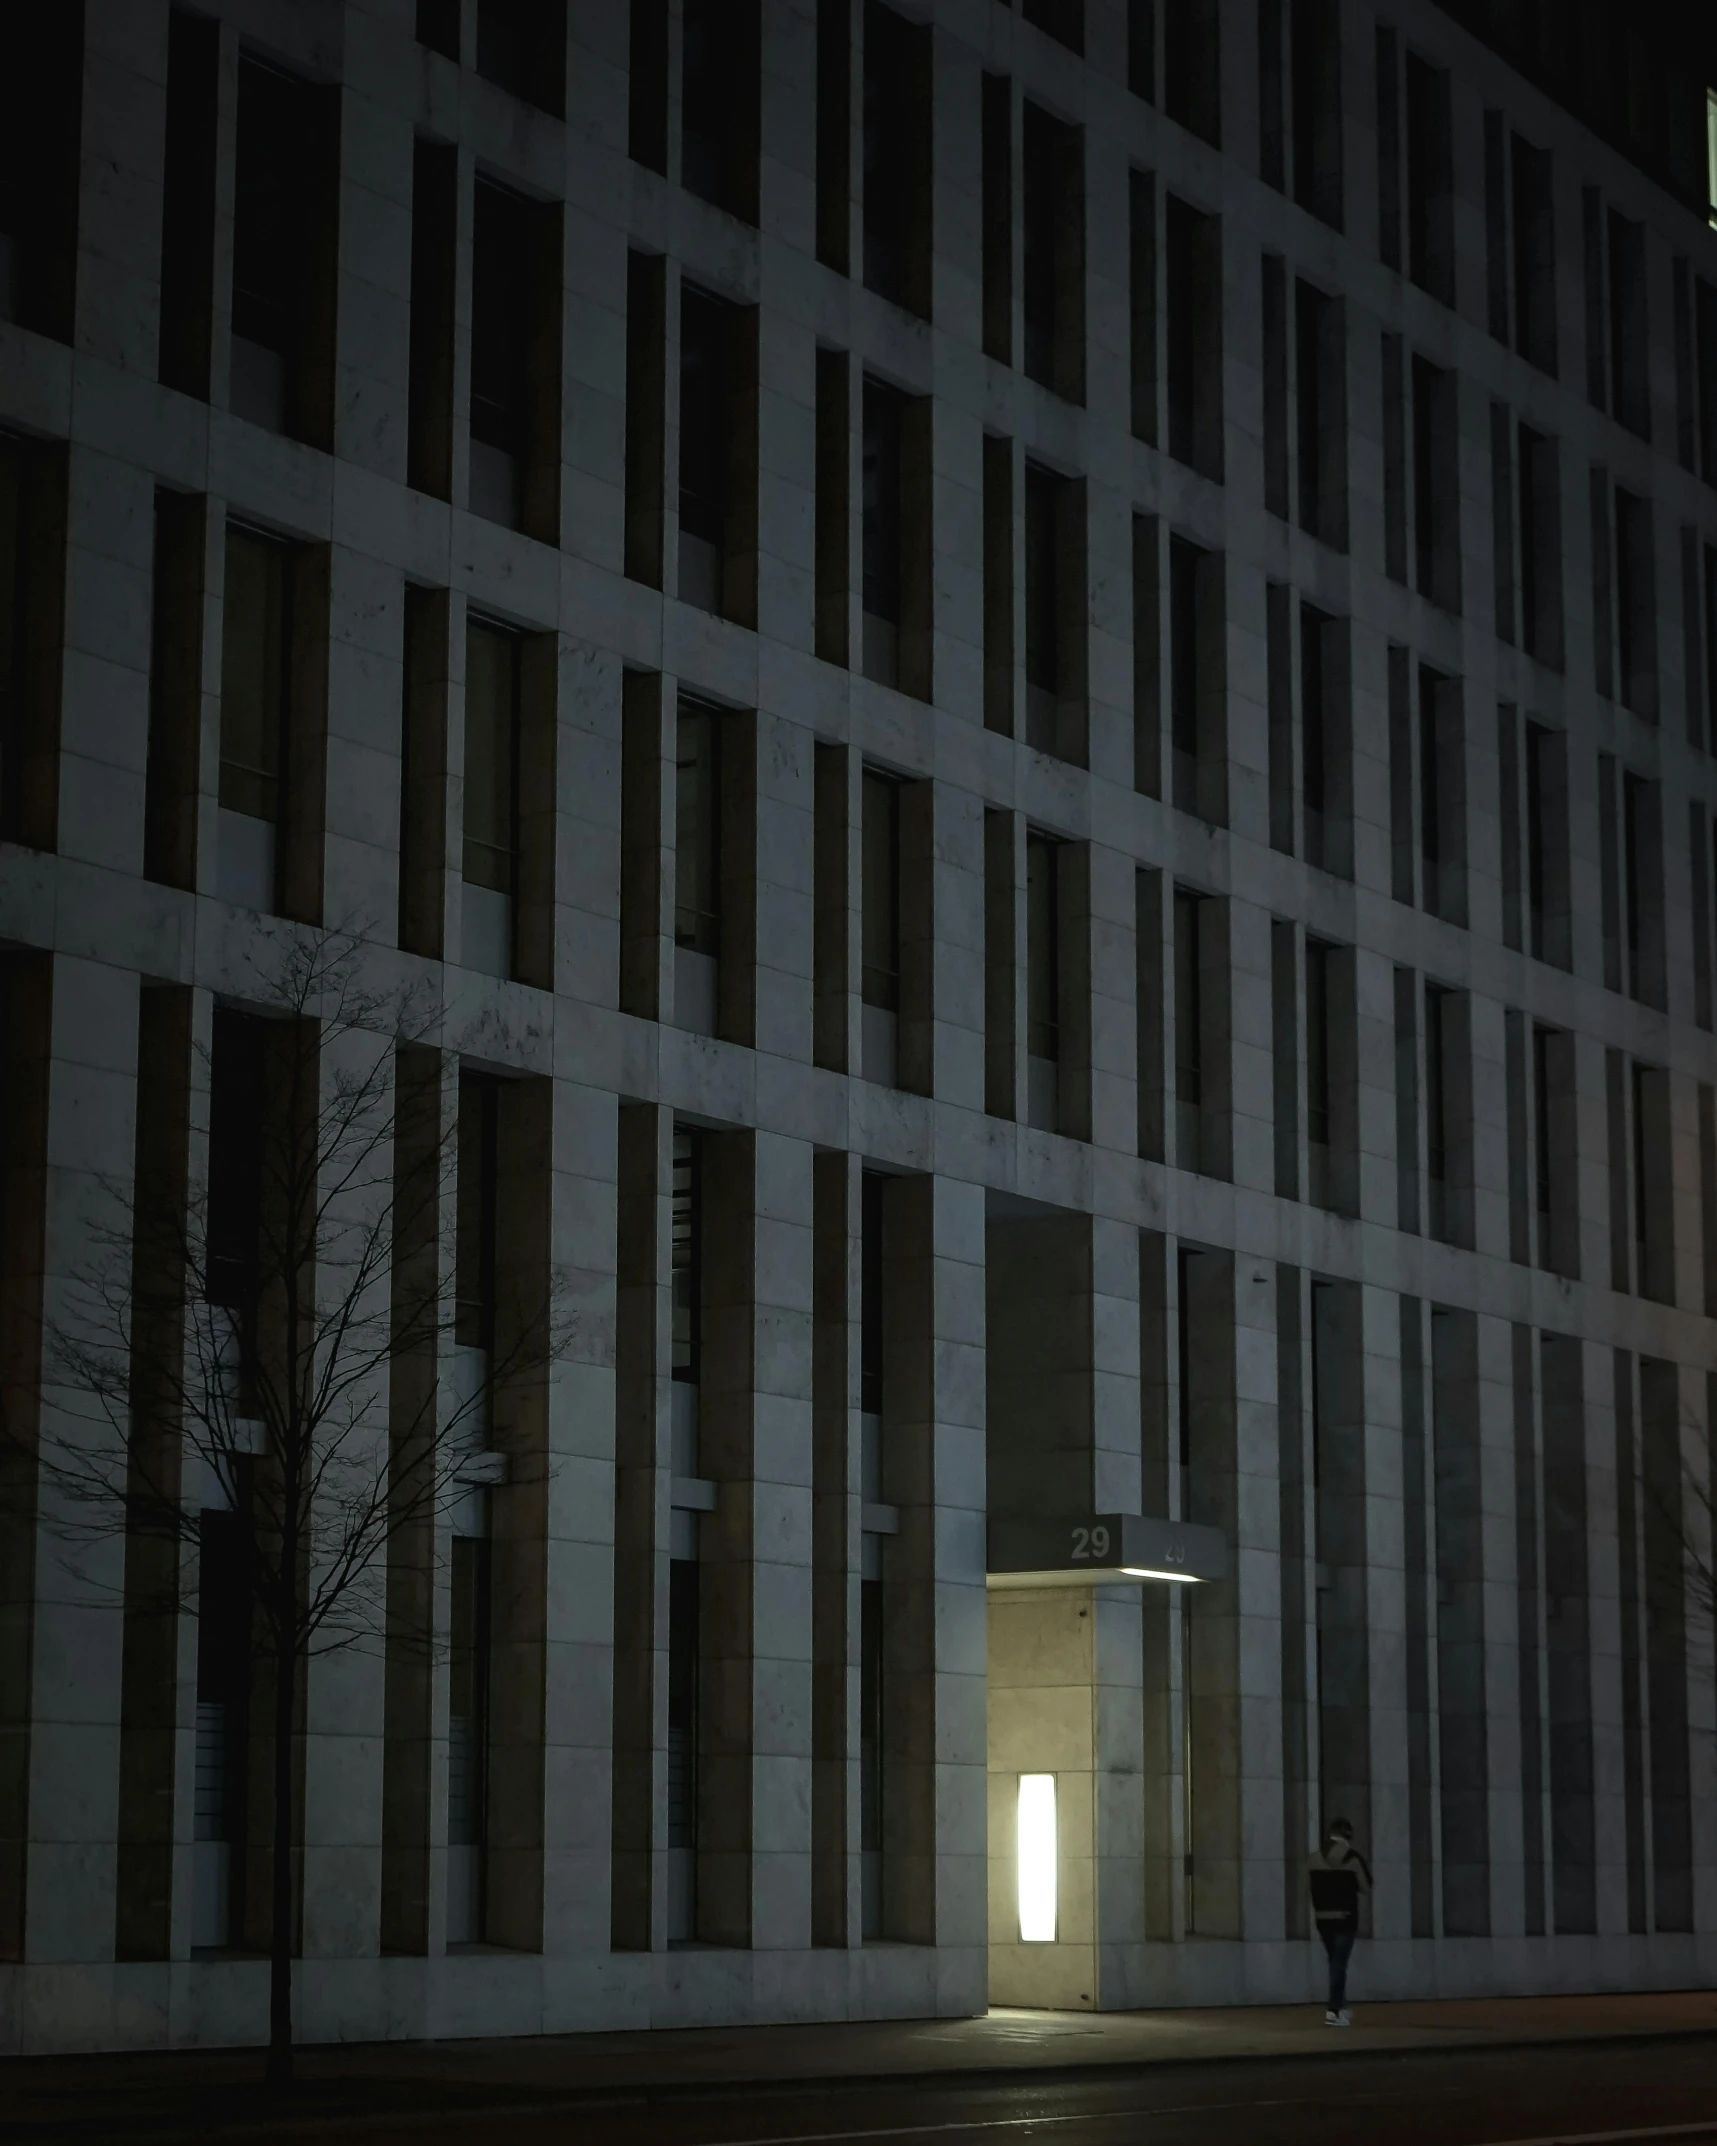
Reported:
(193, 2092)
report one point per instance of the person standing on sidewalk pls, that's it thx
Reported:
(1339, 1875)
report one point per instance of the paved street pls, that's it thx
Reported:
(1600, 2069)
(1458, 2099)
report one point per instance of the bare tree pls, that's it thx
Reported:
(256, 1333)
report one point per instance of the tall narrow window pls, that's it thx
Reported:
(880, 925)
(1437, 1109)
(1189, 1099)
(1192, 67)
(1642, 889)
(1196, 631)
(41, 95)
(719, 103)
(1054, 613)
(1318, 1116)
(897, 122)
(282, 271)
(1053, 240)
(1321, 383)
(430, 366)
(1042, 981)
(997, 182)
(705, 352)
(467, 1732)
(686, 1258)
(175, 688)
(697, 865)
(514, 360)
(1629, 325)
(1442, 796)
(647, 86)
(1540, 547)
(1317, 129)
(684, 1671)
(255, 684)
(223, 1729)
(1430, 180)
(1636, 604)
(1436, 485)
(1193, 336)
(834, 133)
(1534, 255)
(187, 204)
(490, 863)
(1547, 845)
(881, 532)
(1326, 765)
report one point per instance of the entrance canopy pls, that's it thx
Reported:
(1102, 1550)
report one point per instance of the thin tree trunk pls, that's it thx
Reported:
(280, 1918)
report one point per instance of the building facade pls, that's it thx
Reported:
(1035, 693)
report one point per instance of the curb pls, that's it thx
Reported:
(622, 2094)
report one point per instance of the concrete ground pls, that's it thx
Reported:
(497, 2084)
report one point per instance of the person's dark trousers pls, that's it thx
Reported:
(1338, 1940)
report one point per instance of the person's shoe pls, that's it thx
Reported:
(1344, 2018)
(1332, 2019)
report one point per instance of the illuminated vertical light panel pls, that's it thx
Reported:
(1037, 1858)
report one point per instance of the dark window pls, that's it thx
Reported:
(1053, 243)
(872, 1280)
(491, 788)
(1318, 1119)
(477, 1201)
(1043, 653)
(1436, 485)
(721, 62)
(1193, 304)
(1547, 845)
(705, 341)
(503, 273)
(1189, 1069)
(521, 47)
(429, 379)
(1316, 50)
(1534, 256)
(188, 204)
(1321, 366)
(41, 92)
(881, 564)
(880, 901)
(469, 1593)
(697, 829)
(271, 253)
(647, 86)
(897, 112)
(1540, 547)
(1430, 180)
(1192, 67)
(1629, 325)
(438, 26)
(237, 1065)
(997, 179)
(1142, 49)
(255, 674)
(1042, 949)
(1064, 20)
(686, 1255)
(834, 131)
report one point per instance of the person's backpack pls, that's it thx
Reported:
(1335, 1895)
